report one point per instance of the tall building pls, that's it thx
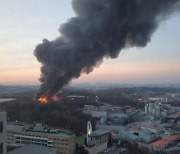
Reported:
(98, 140)
(157, 109)
(64, 142)
(2, 133)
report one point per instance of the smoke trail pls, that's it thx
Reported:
(102, 28)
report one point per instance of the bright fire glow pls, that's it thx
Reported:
(43, 100)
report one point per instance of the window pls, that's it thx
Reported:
(1, 148)
(1, 127)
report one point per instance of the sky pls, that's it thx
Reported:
(24, 24)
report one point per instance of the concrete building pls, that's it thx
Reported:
(98, 140)
(157, 109)
(18, 135)
(33, 149)
(175, 95)
(2, 133)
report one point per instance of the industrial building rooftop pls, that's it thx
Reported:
(38, 128)
(33, 149)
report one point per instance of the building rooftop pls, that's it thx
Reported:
(163, 143)
(160, 144)
(152, 128)
(38, 129)
(100, 132)
(33, 149)
(134, 129)
(110, 128)
(173, 116)
(13, 127)
(172, 138)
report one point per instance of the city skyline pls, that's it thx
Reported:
(25, 24)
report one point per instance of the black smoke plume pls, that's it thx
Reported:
(101, 29)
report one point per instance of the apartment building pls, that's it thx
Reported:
(2, 133)
(19, 135)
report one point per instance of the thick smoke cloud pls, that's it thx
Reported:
(102, 28)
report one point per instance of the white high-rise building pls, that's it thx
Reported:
(2, 133)
(157, 109)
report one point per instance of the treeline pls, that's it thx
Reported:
(61, 114)
(116, 97)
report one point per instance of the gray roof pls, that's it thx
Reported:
(173, 116)
(173, 150)
(110, 127)
(33, 149)
(38, 127)
(100, 132)
(13, 127)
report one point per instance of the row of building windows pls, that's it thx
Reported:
(66, 140)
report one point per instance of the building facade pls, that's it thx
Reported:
(2, 133)
(98, 141)
(63, 142)
(157, 109)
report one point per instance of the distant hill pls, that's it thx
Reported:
(96, 86)
(17, 91)
(29, 90)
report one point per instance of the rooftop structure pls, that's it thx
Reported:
(33, 149)
(137, 128)
(99, 132)
(110, 128)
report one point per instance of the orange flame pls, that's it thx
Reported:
(43, 100)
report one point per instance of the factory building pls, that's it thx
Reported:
(18, 135)
(2, 133)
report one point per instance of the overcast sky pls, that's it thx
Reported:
(24, 23)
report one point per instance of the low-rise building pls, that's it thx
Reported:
(173, 118)
(33, 149)
(166, 142)
(2, 133)
(18, 135)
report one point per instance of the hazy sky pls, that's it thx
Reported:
(24, 23)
